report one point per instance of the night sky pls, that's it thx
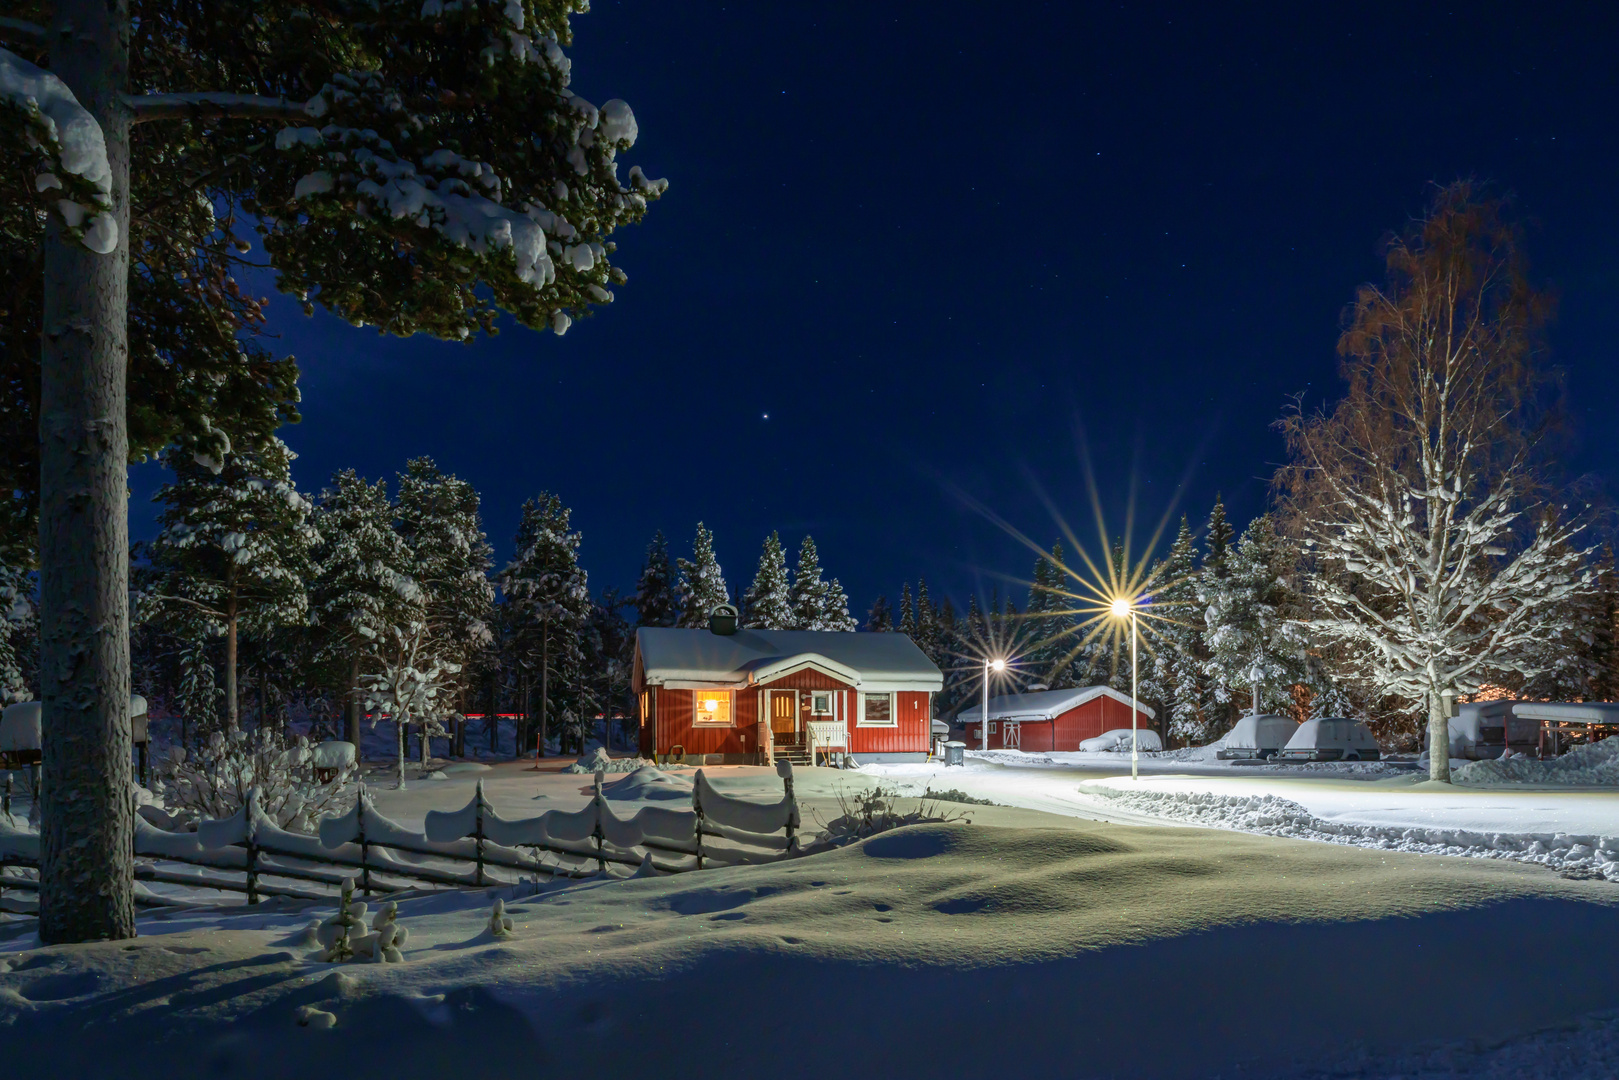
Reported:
(943, 253)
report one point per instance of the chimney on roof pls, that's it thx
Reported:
(722, 620)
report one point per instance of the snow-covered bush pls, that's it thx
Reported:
(601, 761)
(874, 810)
(213, 780)
(500, 923)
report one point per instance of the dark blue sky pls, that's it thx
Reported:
(942, 245)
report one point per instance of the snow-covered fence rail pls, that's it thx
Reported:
(238, 853)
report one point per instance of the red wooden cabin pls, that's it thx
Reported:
(709, 697)
(1051, 719)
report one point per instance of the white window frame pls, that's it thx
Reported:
(697, 713)
(893, 706)
(831, 702)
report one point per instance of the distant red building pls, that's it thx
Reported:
(742, 697)
(1051, 719)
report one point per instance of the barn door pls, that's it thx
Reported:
(783, 714)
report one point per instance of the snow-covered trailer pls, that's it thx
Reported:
(1051, 719)
(731, 696)
(1560, 723)
(1481, 730)
(1331, 738)
(1120, 740)
(1261, 736)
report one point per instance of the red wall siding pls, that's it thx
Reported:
(1068, 730)
(676, 729)
(908, 736)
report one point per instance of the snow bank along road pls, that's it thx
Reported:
(1019, 944)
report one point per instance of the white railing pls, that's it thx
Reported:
(828, 735)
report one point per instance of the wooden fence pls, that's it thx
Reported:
(238, 854)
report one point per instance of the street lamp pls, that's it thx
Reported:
(989, 665)
(1125, 608)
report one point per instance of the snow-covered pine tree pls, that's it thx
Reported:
(655, 601)
(1217, 541)
(766, 603)
(548, 594)
(1177, 633)
(1256, 649)
(817, 604)
(907, 612)
(19, 628)
(410, 681)
(1437, 563)
(880, 619)
(702, 585)
(363, 585)
(453, 175)
(235, 548)
(1047, 628)
(440, 521)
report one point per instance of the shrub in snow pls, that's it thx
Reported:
(874, 810)
(601, 761)
(213, 780)
(337, 934)
(500, 923)
(384, 943)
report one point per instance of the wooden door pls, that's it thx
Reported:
(783, 713)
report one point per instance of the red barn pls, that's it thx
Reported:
(1051, 719)
(710, 697)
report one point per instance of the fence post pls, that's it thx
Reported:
(697, 808)
(365, 848)
(598, 833)
(251, 812)
(477, 835)
(784, 769)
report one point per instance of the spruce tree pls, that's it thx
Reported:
(548, 594)
(364, 583)
(1177, 663)
(766, 604)
(817, 604)
(655, 602)
(907, 612)
(1047, 627)
(1255, 648)
(1217, 541)
(235, 549)
(880, 619)
(19, 629)
(702, 585)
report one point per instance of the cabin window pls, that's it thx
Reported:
(877, 710)
(711, 707)
(821, 703)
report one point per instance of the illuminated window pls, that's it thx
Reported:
(712, 707)
(877, 710)
(821, 703)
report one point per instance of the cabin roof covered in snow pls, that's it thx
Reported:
(1044, 704)
(700, 658)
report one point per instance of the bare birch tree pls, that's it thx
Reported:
(1438, 558)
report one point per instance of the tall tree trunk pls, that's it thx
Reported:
(1438, 740)
(545, 688)
(353, 706)
(87, 874)
(399, 736)
(233, 707)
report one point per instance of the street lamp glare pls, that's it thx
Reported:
(998, 665)
(1121, 608)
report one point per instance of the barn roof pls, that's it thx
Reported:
(872, 661)
(1043, 704)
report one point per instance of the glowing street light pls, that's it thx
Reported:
(983, 731)
(1125, 607)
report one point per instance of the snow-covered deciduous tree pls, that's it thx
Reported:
(702, 585)
(766, 605)
(212, 780)
(363, 585)
(1255, 646)
(235, 548)
(421, 178)
(817, 604)
(1439, 562)
(548, 596)
(655, 600)
(410, 682)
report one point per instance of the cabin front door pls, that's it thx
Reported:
(784, 716)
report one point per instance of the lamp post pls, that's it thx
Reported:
(989, 665)
(1123, 608)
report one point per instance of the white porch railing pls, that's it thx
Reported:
(828, 735)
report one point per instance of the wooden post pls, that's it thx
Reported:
(785, 770)
(697, 808)
(250, 811)
(477, 834)
(598, 833)
(365, 848)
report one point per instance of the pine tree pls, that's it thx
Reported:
(200, 698)
(235, 549)
(702, 585)
(439, 520)
(1046, 626)
(1255, 650)
(1217, 543)
(655, 603)
(766, 604)
(364, 584)
(880, 619)
(907, 612)
(547, 592)
(18, 629)
(817, 604)
(450, 163)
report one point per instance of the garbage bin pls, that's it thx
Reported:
(954, 752)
